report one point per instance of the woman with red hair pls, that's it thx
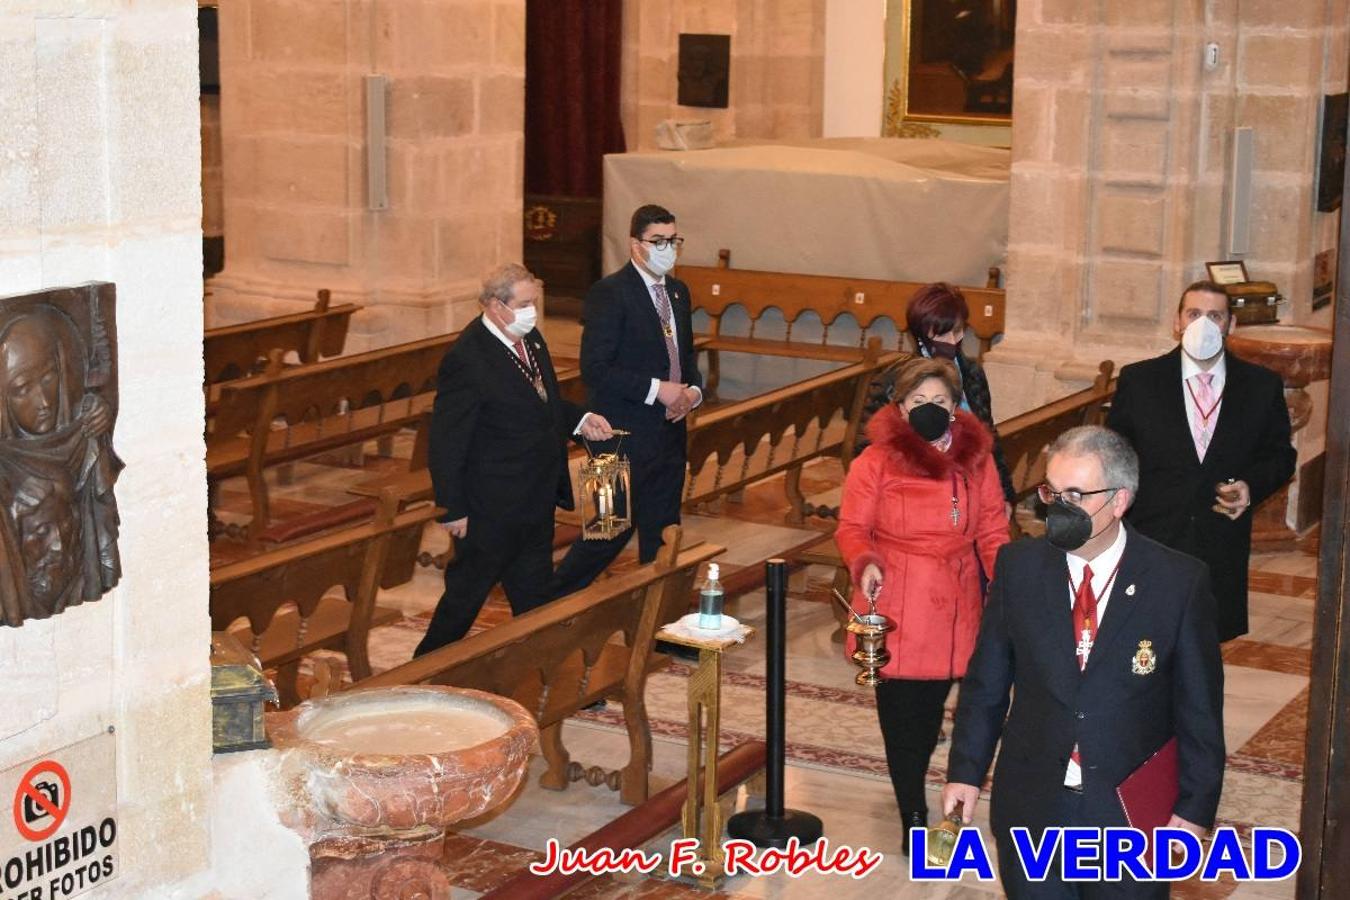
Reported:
(937, 316)
(922, 515)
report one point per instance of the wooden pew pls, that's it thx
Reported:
(715, 289)
(236, 351)
(280, 595)
(289, 413)
(321, 407)
(564, 656)
(733, 445)
(1025, 438)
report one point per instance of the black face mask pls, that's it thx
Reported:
(930, 421)
(941, 350)
(1067, 527)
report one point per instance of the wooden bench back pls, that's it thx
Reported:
(1025, 438)
(559, 658)
(714, 289)
(235, 351)
(733, 445)
(282, 594)
(330, 387)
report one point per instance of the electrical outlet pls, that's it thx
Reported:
(859, 298)
(717, 290)
(988, 311)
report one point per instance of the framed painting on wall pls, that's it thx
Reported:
(949, 61)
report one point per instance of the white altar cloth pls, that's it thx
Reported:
(890, 208)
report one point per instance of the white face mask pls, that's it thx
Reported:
(659, 262)
(1202, 339)
(524, 322)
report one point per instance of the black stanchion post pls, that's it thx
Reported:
(774, 825)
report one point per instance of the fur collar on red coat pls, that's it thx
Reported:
(890, 432)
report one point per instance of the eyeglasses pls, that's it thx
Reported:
(1072, 496)
(662, 243)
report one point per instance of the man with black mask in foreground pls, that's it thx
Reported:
(1107, 641)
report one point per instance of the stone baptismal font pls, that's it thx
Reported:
(373, 779)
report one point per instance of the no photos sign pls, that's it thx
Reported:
(60, 838)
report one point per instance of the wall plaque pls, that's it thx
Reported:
(58, 405)
(704, 70)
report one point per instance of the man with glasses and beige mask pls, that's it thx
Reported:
(1212, 434)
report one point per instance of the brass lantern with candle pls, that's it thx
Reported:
(606, 494)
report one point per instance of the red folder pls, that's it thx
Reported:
(1150, 793)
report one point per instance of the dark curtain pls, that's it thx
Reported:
(572, 59)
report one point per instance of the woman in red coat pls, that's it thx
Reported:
(922, 514)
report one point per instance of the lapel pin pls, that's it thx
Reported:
(1145, 660)
(1129, 591)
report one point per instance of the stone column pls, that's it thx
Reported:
(1121, 161)
(294, 125)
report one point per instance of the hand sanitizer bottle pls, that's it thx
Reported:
(710, 601)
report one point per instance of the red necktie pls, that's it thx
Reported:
(1084, 617)
(520, 351)
(1084, 628)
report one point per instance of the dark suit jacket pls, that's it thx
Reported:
(1176, 490)
(1117, 718)
(498, 453)
(623, 348)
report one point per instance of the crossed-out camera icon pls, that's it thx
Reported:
(34, 811)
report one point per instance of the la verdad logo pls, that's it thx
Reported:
(1113, 854)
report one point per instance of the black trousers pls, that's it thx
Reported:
(657, 481)
(1071, 808)
(910, 713)
(519, 555)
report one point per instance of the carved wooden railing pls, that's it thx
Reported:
(715, 289)
(561, 657)
(1026, 437)
(281, 603)
(734, 445)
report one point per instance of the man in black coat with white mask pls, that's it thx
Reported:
(638, 363)
(498, 456)
(1212, 434)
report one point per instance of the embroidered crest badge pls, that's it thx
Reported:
(1145, 660)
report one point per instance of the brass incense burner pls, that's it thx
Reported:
(871, 654)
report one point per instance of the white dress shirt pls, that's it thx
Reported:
(1189, 369)
(1103, 568)
(651, 281)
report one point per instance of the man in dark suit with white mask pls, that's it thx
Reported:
(640, 371)
(498, 456)
(1212, 434)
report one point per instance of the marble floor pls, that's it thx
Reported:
(835, 762)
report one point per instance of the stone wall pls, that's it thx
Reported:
(293, 116)
(1121, 162)
(777, 67)
(102, 181)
